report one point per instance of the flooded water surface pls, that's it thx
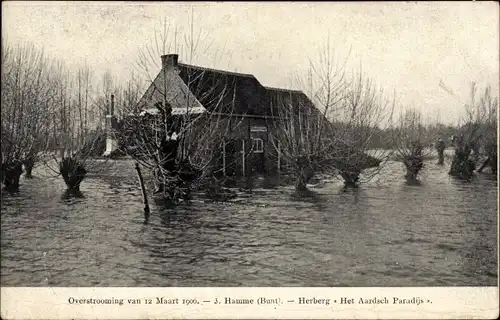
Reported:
(442, 232)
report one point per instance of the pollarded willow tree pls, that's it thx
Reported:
(478, 132)
(76, 132)
(332, 131)
(301, 134)
(410, 142)
(489, 105)
(356, 122)
(181, 122)
(27, 97)
(300, 129)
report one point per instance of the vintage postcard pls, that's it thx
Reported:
(253, 160)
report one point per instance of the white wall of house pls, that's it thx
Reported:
(111, 143)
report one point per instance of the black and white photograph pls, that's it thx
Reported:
(252, 144)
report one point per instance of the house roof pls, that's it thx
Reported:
(220, 71)
(224, 91)
(177, 95)
(285, 100)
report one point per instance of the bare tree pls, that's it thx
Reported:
(477, 132)
(301, 134)
(336, 135)
(356, 122)
(410, 143)
(76, 133)
(127, 96)
(301, 131)
(490, 106)
(172, 133)
(27, 93)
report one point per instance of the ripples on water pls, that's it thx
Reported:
(387, 233)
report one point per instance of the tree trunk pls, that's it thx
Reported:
(413, 166)
(143, 189)
(28, 166)
(493, 163)
(462, 166)
(304, 173)
(12, 172)
(301, 183)
(73, 173)
(351, 178)
(411, 174)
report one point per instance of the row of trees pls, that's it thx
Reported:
(55, 117)
(473, 139)
(340, 138)
(52, 116)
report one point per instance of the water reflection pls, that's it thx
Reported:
(305, 195)
(174, 218)
(68, 195)
(386, 232)
(413, 182)
(10, 192)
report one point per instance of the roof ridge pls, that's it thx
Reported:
(216, 70)
(282, 89)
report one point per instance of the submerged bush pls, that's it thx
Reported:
(462, 165)
(351, 177)
(11, 174)
(73, 173)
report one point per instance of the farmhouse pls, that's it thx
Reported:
(250, 110)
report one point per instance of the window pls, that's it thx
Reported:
(258, 129)
(257, 145)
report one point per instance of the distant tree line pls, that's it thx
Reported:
(54, 116)
(383, 138)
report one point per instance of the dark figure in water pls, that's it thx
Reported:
(440, 146)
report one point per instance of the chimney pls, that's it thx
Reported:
(112, 106)
(169, 61)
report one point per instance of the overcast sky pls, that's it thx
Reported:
(407, 47)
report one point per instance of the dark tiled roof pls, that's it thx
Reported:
(219, 91)
(285, 98)
(224, 91)
(231, 73)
